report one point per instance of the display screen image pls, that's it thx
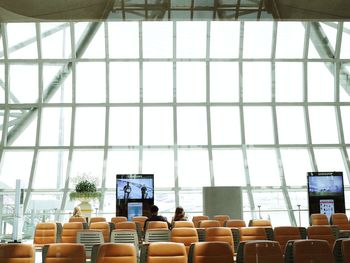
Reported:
(134, 209)
(325, 185)
(134, 188)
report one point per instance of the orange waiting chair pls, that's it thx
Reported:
(140, 220)
(197, 219)
(237, 223)
(283, 234)
(260, 223)
(223, 234)
(222, 219)
(45, 233)
(259, 251)
(210, 252)
(184, 235)
(345, 248)
(103, 227)
(156, 225)
(97, 219)
(17, 253)
(69, 232)
(118, 219)
(116, 253)
(178, 224)
(64, 253)
(126, 225)
(77, 219)
(310, 250)
(323, 233)
(209, 223)
(341, 221)
(319, 220)
(252, 233)
(166, 252)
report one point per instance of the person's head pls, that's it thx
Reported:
(154, 210)
(77, 211)
(179, 212)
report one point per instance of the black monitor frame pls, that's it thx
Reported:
(143, 184)
(320, 193)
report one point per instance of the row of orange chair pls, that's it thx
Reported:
(208, 252)
(296, 251)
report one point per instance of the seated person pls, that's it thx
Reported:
(179, 215)
(155, 217)
(77, 212)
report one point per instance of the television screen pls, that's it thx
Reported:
(325, 185)
(135, 187)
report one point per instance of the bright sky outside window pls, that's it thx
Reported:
(24, 91)
(158, 126)
(157, 82)
(261, 163)
(224, 82)
(323, 124)
(97, 47)
(47, 176)
(124, 82)
(160, 163)
(57, 44)
(191, 39)
(190, 82)
(87, 162)
(91, 89)
(224, 39)
(123, 39)
(225, 125)
(14, 38)
(124, 126)
(54, 130)
(258, 125)
(345, 45)
(288, 117)
(89, 126)
(289, 87)
(296, 163)
(290, 40)
(163, 32)
(320, 88)
(257, 82)
(257, 40)
(120, 162)
(193, 168)
(15, 165)
(345, 114)
(192, 126)
(228, 167)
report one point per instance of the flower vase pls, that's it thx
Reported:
(86, 208)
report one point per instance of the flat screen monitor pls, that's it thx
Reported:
(325, 193)
(135, 188)
(325, 185)
(134, 194)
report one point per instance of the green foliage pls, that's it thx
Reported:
(84, 195)
(85, 187)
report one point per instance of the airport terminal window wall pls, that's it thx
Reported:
(251, 104)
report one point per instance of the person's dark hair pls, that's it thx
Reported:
(179, 213)
(154, 209)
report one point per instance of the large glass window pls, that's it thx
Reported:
(196, 103)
